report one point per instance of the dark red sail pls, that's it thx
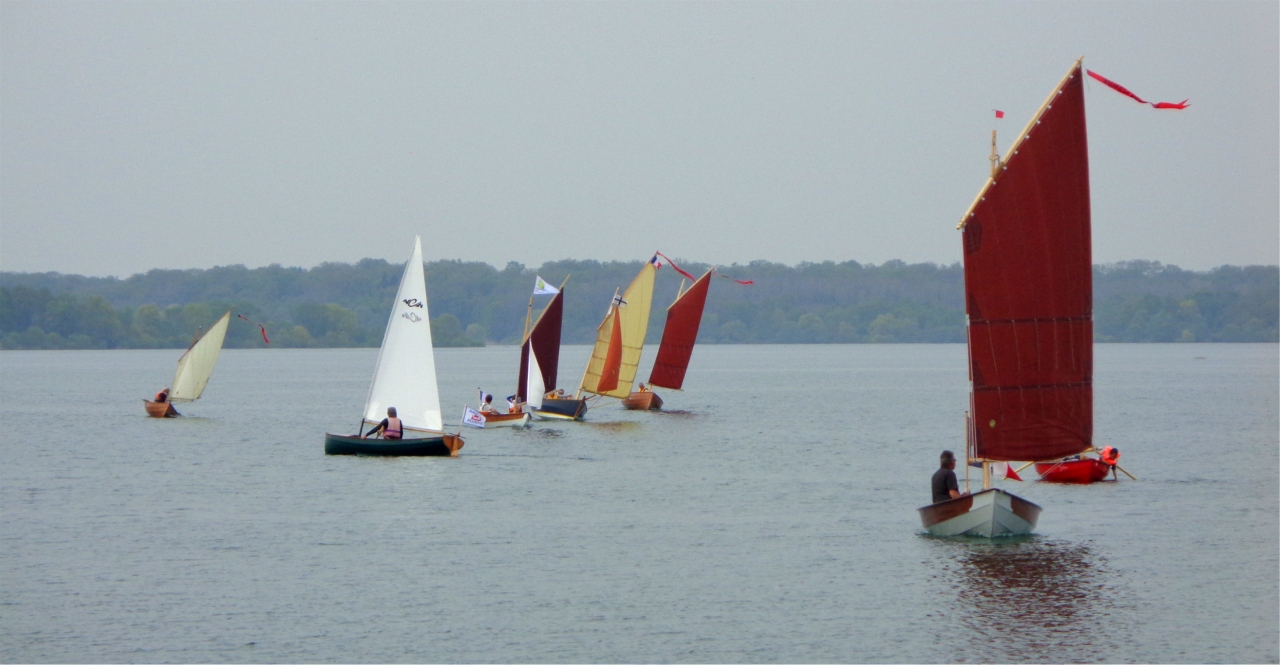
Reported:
(684, 316)
(544, 337)
(1029, 286)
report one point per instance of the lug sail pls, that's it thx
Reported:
(612, 358)
(196, 365)
(633, 312)
(405, 376)
(544, 341)
(684, 317)
(1029, 291)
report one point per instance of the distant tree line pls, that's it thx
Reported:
(471, 303)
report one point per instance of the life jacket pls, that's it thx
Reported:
(162, 396)
(1110, 455)
(393, 430)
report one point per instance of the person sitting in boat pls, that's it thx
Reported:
(644, 388)
(514, 405)
(558, 393)
(487, 406)
(162, 396)
(944, 483)
(390, 426)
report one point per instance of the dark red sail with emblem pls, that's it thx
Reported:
(684, 317)
(544, 338)
(1029, 290)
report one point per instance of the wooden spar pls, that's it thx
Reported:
(1123, 471)
(1021, 137)
(528, 317)
(995, 159)
(966, 451)
(1019, 469)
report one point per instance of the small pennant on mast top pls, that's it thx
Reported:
(999, 113)
(542, 288)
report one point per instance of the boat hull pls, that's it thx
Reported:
(505, 419)
(642, 401)
(1081, 471)
(160, 409)
(446, 445)
(561, 409)
(989, 513)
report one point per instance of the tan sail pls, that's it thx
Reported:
(633, 312)
(196, 365)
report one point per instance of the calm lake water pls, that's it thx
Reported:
(767, 516)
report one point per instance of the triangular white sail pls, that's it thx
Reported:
(534, 381)
(405, 376)
(196, 365)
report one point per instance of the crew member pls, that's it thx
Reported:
(1111, 456)
(487, 407)
(944, 482)
(390, 426)
(162, 396)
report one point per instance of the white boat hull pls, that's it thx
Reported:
(989, 513)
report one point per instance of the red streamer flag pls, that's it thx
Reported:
(260, 327)
(999, 113)
(676, 267)
(1128, 93)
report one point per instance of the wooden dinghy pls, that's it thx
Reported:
(404, 378)
(160, 409)
(540, 360)
(989, 513)
(1081, 471)
(494, 419)
(642, 400)
(560, 409)
(194, 369)
(445, 445)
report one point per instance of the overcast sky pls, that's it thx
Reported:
(139, 135)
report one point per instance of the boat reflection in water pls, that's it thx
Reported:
(1028, 599)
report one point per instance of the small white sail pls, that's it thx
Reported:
(534, 381)
(196, 365)
(405, 376)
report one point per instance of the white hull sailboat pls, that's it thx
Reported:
(1028, 279)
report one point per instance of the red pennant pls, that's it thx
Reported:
(1128, 93)
(676, 267)
(999, 113)
(1010, 474)
(744, 282)
(260, 327)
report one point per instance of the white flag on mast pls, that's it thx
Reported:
(542, 288)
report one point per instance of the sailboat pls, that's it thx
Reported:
(194, 369)
(611, 371)
(684, 317)
(1028, 278)
(404, 378)
(540, 363)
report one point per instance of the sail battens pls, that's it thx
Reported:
(1029, 291)
(405, 375)
(684, 317)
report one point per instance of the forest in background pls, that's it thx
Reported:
(473, 303)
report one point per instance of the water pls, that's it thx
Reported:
(768, 516)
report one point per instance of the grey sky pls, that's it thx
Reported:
(136, 135)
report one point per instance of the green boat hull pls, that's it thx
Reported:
(433, 446)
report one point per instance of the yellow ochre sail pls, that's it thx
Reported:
(634, 316)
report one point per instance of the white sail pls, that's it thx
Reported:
(534, 381)
(405, 376)
(196, 365)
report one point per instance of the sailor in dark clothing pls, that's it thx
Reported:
(945, 486)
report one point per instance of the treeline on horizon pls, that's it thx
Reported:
(473, 303)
